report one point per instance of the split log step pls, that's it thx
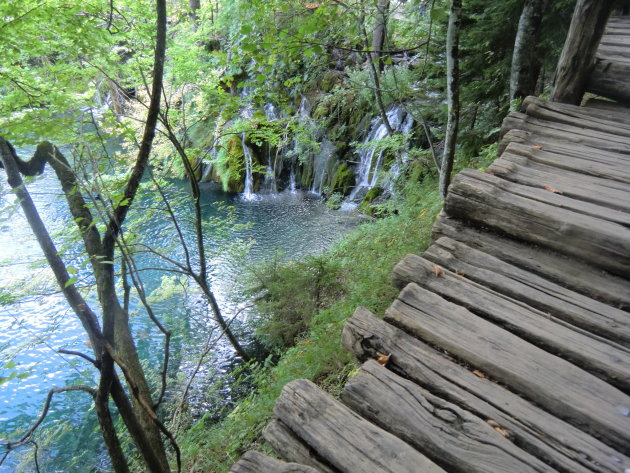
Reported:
(254, 462)
(566, 113)
(455, 438)
(289, 446)
(557, 269)
(341, 437)
(589, 162)
(568, 133)
(555, 301)
(560, 387)
(602, 192)
(540, 217)
(610, 79)
(557, 443)
(606, 359)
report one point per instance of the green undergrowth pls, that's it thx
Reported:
(364, 261)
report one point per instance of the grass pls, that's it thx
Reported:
(366, 258)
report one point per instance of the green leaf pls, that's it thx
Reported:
(246, 29)
(72, 270)
(261, 78)
(70, 281)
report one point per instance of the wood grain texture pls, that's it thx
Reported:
(344, 439)
(533, 216)
(559, 444)
(613, 116)
(289, 446)
(452, 436)
(610, 79)
(607, 360)
(555, 267)
(560, 387)
(254, 462)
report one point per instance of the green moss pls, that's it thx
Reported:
(342, 180)
(230, 166)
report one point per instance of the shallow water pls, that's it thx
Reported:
(293, 224)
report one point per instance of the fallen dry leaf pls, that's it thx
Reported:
(495, 425)
(480, 374)
(437, 270)
(459, 272)
(551, 189)
(382, 358)
(537, 147)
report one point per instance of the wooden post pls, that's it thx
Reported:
(578, 56)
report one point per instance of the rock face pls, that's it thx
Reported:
(305, 150)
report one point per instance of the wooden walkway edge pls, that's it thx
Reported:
(509, 343)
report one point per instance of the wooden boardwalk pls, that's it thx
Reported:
(508, 347)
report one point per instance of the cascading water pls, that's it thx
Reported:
(320, 165)
(366, 174)
(248, 192)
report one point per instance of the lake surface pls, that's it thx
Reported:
(32, 332)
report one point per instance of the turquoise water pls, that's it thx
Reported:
(32, 332)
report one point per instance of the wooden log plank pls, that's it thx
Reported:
(550, 154)
(591, 123)
(553, 383)
(549, 195)
(455, 438)
(568, 133)
(614, 39)
(344, 439)
(614, 51)
(603, 358)
(289, 446)
(610, 79)
(551, 266)
(482, 198)
(255, 462)
(550, 439)
(514, 168)
(526, 157)
(605, 105)
(611, 116)
(518, 284)
(613, 58)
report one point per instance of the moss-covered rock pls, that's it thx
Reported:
(230, 166)
(343, 180)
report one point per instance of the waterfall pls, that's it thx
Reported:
(320, 165)
(366, 174)
(269, 183)
(248, 193)
(292, 180)
(271, 113)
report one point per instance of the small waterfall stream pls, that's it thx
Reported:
(367, 172)
(248, 192)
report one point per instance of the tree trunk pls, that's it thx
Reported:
(525, 63)
(380, 32)
(452, 91)
(578, 56)
(194, 6)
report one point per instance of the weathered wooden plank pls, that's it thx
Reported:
(550, 439)
(614, 51)
(606, 119)
(614, 39)
(289, 446)
(613, 58)
(340, 436)
(518, 284)
(255, 462)
(551, 266)
(455, 438)
(586, 161)
(605, 105)
(555, 384)
(603, 358)
(601, 192)
(568, 133)
(548, 195)
(482, 198)
(534, 160)
(610, 79)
